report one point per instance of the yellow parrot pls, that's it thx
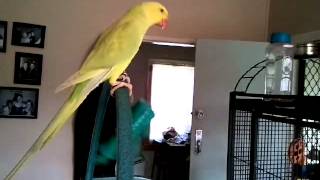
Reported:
(111, 55)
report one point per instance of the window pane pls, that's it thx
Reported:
(171, 99)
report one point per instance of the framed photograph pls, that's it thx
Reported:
(29, 35)
(28, 68)
(18, 102)
(3, 36)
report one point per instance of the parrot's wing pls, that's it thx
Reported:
(113, 47)
(78, 78)
(94, 82)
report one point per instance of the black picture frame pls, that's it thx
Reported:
(3, 36)
(18, 102)
(28, 35)
(28, 68)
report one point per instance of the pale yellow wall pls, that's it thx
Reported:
(72, 26)
(294, 16)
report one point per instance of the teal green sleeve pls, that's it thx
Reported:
(142, 115)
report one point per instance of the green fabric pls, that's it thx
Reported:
(142, 115)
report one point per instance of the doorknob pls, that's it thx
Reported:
(199, 114)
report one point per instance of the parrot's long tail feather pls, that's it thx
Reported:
(79, 77)
(63, 115)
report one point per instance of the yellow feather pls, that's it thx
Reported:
(78, 78)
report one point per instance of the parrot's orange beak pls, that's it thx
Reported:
(163, 24)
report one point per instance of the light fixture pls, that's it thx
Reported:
(288, 45)
(172, 44)
(310, 49)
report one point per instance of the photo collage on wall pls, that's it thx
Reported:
(20, 102)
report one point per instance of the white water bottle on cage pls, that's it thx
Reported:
(279, 65)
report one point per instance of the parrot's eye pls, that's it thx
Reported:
(161, 10)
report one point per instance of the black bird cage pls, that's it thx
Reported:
(276, 136)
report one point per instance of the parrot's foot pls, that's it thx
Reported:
(123, 81)
(120, 84)
(124, 78)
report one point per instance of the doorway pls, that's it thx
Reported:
(141, 71)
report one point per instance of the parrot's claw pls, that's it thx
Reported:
(123, 81)
(125, 78)
(120, 84)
